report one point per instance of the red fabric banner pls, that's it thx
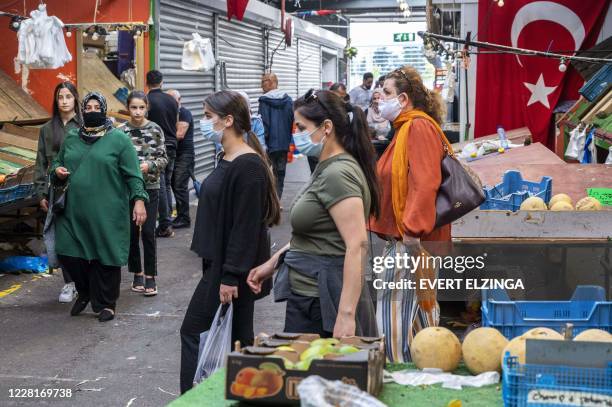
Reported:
(236, 8)
(516, 91)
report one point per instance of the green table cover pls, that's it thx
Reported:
(211, 393)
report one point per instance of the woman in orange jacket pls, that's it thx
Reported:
(409, 173)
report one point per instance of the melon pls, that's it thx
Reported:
(588, 204)
(436, 347)
(542, 333)
(560, 198)
(481, 349)
(594, 335)
(533, 203)
(562, 206)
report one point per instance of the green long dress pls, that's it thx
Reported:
(95, 224)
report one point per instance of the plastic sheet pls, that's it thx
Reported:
(315, 391)
(436, 376)
(23, 263)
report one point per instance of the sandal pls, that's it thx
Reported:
(150, 287)
(138, 284)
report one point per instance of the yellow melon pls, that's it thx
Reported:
(560, 198)
(481, 349)
(542, 333)
(533, 203)
(562, 206)
(516, 347)
(588, 204)
(436, 347)
(594, 335)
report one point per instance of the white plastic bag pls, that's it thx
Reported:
(609, 159)
(315, 391)
(215, 344)
(575, 146)
(197, 54)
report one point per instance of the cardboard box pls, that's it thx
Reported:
(258, 374)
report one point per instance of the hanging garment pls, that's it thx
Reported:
(197, 54)
(41, 41)
(589, 154)
(575, 146)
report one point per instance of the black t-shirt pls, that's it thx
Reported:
(186, 144)
(163, 110)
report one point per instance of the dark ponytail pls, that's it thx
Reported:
(351, 130)
(229, 103)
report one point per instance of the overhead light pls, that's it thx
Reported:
(562, 65)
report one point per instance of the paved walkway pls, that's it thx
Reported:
(131, 361)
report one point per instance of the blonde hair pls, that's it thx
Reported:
(407, 80)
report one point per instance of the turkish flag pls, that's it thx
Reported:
(236, 8)
(516, 91)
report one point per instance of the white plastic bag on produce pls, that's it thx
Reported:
(609, 159)
(315, 391)
(215, 344)
(434, 376)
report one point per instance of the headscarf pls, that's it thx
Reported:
(92, 134)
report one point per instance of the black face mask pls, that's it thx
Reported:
(94, 119)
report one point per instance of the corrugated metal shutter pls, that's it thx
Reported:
(284, 63)
(309, 66)
(178, 20)
(241, 47)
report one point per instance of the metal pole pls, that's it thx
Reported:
(467, 91)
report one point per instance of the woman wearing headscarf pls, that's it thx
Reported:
(100, 168)
(376, 122)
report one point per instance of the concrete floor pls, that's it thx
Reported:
(131, 361)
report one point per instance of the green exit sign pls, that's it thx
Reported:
(404, 37)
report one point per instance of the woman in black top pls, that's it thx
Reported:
(237, 204)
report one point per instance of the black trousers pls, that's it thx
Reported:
(303, 315)
(95, 281)
(279, 167)
(165, 193)
(199, 317)
(183, 168)
(149, 243)
(67, 278)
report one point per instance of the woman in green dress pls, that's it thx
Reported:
(93, 232)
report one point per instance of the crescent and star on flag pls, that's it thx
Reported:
(543, 10)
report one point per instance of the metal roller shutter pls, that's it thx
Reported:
(178, 20)
(241, 47)
(309, 66)
(284, 63)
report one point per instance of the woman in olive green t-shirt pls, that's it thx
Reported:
(328, 220)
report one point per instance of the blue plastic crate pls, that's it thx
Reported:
(526, 384)
(15, 193)
(513, 190)
(597, 84)
(587, 309)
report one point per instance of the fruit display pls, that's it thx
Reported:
(533, 203)
(436, 347)
(562, 206)
(588, 204)
(271, 369)
(560, 198)
(481, 349)
(594, 335)
(518, 346)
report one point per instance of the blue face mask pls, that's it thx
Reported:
(208, 131)
(303, 142)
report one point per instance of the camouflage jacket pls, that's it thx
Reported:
(148, 141)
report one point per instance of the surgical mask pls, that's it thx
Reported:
(303, 142)
(208, 131)
(390, 109)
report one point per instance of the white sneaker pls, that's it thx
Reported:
(68, 293)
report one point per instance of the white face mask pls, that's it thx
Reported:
(208, 131)
(390, 109)
(304, 144)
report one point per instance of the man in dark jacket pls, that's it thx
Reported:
(164, 110)
(276, 111)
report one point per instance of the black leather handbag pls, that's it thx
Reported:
(460, 191)
(60, 192)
